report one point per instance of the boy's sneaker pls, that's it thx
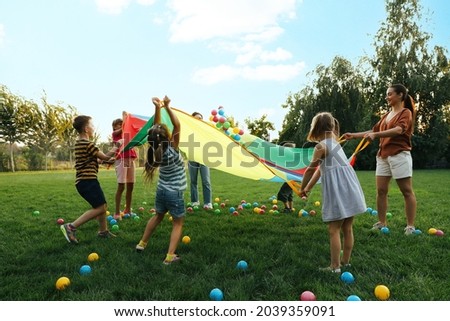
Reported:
(195, 204)
(287, 210)
(410, 230)
(106, 234)
(378, 226)
(69, 233)
(171, 258)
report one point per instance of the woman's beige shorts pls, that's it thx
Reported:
(397, 166)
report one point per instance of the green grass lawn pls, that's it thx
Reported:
(283, 251)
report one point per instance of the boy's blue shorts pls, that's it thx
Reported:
(91, 191)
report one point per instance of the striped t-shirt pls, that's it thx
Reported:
(172, 175)
(86, 163)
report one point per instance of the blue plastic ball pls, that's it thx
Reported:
(369, 210)
(231, 209)
(85, 270)
(347, 277)
(216, 295)
(374, 212)
(385, 230)
(242, 265)
(417, 232)
(113, 222)
(353, 298)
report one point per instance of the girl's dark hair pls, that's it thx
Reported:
(117, 122)
(158, 138)
(195, 113)
(322, 123)
(408, 101)
(80, 122)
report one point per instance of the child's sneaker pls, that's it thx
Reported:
(378, 226)
(106, 234)
(69, 233)
(171, 258)
(208, 206)
(117, 217)
(141, 246)
(330, 269)
(195, 204)
(410, 230)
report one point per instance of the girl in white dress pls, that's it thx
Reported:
(342, 195)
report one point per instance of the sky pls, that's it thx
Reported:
(108, 56)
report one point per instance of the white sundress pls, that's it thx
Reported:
(342, 195)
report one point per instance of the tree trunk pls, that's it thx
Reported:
(11, 156)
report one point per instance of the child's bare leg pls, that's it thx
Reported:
(347, 229)
(128, 197)
(120, 189)
(334, 230)
(91, 214)
(151, 225)
(175, 236)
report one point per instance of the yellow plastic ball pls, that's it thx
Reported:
(62, 283)
(274, 201)
(382, 292)
(170, 218)
(432, 231)
(93, 257)
(217, 200)
(186, 239)
(317, 203)
(108, 212)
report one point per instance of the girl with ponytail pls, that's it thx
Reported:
(163, 154)
(394, 130)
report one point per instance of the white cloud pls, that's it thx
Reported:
(280, 72)
(146, 2)
(113, 7)
(2, 34)
(202, 20)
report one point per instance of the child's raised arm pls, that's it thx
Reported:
(175, 122)
(157, 103)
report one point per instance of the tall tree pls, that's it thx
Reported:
(260, 127)
(403, 55)
(16, 117)
(339, 89)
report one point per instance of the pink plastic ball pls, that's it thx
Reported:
(307, 296)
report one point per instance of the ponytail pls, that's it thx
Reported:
(158, 139)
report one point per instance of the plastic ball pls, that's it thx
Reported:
(389, 215)
(316, 203)
(439, 233)
(108, 212)
(190, 209)
(222, 205)
(186, 239)
(216, 294)
(196, 208)
(236, 130)
(312, 212)
(353, 298)
(255, 204)
(432, 231)
(221, 111)
(237, 137)
(216, 211)
(369, 210)
(235, 213)
(62, 283)
(85, 270)
(36, 213)
(382, 292)
(275, 201)
(242, 265)
(347, 277)
(213, 112)
(217, 200)
(60, 221)
(231, 209)
(385, 230)
(374, 212)
(307, 296)
(113, 222)
(115, 228)
(241, 132)
(141, 209)
(93, 257)
(109, 218)
(417, 232)
(136, 218)
(275, 207)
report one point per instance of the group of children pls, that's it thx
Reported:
(342, 195)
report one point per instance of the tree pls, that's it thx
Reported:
(338, 89)
(16, 119)
(403, 55)
(260, 127)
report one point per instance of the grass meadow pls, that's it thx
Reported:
(283, 251)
